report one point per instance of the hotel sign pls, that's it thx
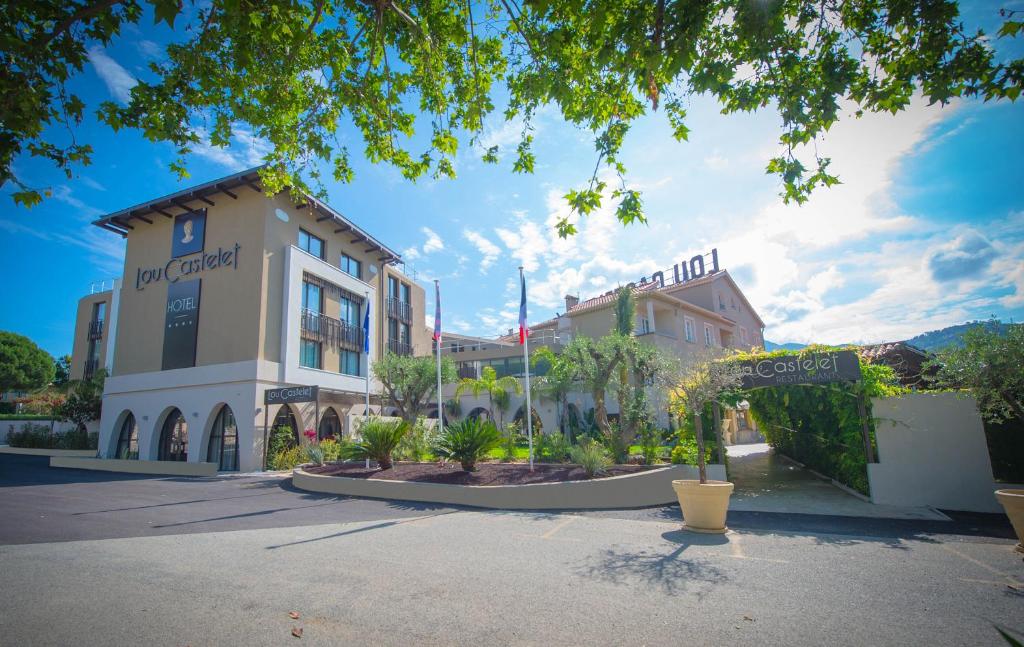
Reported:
(188, 255)
(291, 394)
(811, 368)
(181, 324)
(684, 271)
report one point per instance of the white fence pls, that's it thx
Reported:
(932, 452)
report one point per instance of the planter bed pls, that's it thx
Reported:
(552, 488)
(485, 474)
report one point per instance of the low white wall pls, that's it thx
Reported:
(161, 468)
(35, 451)
(649, 488)
(931, 452)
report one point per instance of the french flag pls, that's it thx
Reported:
(523, 329)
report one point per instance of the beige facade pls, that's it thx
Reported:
(260, 264)
(93, 332)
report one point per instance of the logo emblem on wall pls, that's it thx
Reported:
(189, 233)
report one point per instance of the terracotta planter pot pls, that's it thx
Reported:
(704, 505)
(1013, 502)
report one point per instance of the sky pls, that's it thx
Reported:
(925, 231)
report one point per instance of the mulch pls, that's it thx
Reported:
(485, 474)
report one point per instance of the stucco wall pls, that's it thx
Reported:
(80, 344)
(931, 452)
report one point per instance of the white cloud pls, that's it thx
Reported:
(433, 242)
(716, 162)
(246, 149)
(489, 252)
(119, 81)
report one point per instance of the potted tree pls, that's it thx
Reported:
(988, 365)
(702, 380)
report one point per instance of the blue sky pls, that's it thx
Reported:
(927, 229)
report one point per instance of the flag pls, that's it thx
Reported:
(366, 327)
(437, 311)
(523, 330)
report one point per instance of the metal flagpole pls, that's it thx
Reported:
(366, 350)
(437, 344)
(526, 365)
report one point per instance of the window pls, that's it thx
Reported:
(743, 335)
(310, 243)
(99, 311)
(690, 329)
(312, 297)
(223, 447)
(404, 293)
(349, 312)
(392, 329)
(128, 440)
(349, 362)
(351, 266)
(406, 338)
(309, 353)
(174, 438)
(392, 287)
(721, 302)
(330, 425)
(644, 325)
(709, 335)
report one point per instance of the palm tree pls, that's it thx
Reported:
(556, 384)
(491, 384)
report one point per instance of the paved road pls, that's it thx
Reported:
(222, 562)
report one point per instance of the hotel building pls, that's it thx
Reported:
(229, 296)
(681, 317)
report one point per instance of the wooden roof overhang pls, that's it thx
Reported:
(121, 222)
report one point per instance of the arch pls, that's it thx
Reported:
(173, 444)
(478, 412)
(286, 418)
(127, 440)
(538, 426)
(222, 447)
(330, 425)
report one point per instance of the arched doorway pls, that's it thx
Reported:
(479, 412)
(128, 439)
(174, 438)
(286, 418)
(519, 419)
(223, 446)
(330, 425)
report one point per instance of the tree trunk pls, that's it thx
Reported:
(600, 413)
(701, 467)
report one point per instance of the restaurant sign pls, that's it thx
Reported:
(810, 368)
(291, 394)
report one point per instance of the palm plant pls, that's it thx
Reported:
(488, 383)
(592, 457)
(468, 441)
(378, 440)
(556, 384)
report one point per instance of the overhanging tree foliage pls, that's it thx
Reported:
(292, 71)
(23, 365)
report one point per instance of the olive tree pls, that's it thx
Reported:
(410, 383)
(24, 366)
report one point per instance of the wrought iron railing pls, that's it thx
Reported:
(91, 366)
(96, 329)
(400, 310)
(399, 347)
(328, 330)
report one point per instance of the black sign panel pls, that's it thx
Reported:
(810, 368)
(189, 233)
(181, 324)
(291, 394)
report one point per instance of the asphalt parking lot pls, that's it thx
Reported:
(98, 559)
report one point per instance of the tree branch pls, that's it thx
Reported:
(81, 14)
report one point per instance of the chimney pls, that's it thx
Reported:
(510, 331)
(571, 302)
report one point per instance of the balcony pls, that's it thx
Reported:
(91, 366)
(468, 371)
(96, 329)
(400, 310)
(333, 332)
(399, 347)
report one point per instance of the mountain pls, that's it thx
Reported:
(792, 345)
(936, 340)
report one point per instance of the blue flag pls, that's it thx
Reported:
(366, 327)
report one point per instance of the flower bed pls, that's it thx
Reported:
(486, 473)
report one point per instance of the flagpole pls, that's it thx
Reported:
(526, 365)
(366, 348)
(437, 343)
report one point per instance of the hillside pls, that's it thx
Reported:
(938, 339)
(792, 345)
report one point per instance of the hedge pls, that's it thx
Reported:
(26, 416)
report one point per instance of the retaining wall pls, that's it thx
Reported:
(161, 468)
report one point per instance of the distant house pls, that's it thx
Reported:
(906, 359)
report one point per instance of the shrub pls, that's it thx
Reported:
(287, 458)
(378, 440)
(685, 452)
(415, 445)
(650, 444)
(592, 457)
(552, 448)
(313, 453)
(509, 442)
(332, 449)
(33, 436)
(467, 442)
(78, 439)
(281, 438)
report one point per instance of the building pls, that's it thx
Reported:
(908, 361)
(690, 312)
(229, 296)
